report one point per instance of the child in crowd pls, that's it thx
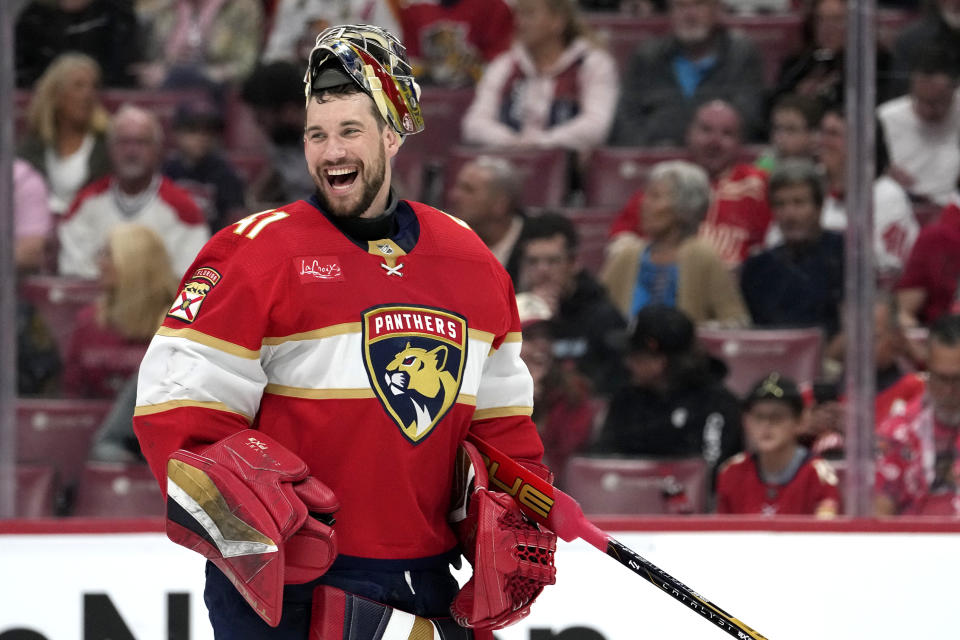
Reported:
(777, 476)
(793, 128)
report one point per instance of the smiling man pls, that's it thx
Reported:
(327, 359)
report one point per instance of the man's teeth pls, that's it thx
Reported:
(339, 171)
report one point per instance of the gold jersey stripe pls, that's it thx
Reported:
(209, 341)
(513, 336)
(466, 398)
(150, 409)
(319, 394)
(483, 336)
(316, 334)
(342, 394)
(502, 412)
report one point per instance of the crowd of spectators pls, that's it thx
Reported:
(144, 127)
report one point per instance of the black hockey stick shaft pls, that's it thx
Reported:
(557, 511)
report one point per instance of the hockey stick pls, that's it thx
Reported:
(555, 510)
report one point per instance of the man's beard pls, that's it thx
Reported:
(371, 187)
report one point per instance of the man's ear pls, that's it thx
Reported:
(392, 141)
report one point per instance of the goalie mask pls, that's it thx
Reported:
(376, 61)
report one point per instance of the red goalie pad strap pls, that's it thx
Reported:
(244, 503)
(512, 559)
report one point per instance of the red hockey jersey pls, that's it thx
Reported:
(813, 490)
(369, 363)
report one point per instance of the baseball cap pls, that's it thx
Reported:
(661, 330)
(533, 310)
(775, 387)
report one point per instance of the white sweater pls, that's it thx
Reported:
(598, 89)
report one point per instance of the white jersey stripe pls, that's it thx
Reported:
(222, 375)
(204, 375)
(506, 381)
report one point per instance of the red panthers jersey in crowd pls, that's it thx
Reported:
(369, 363)
(813, 489)
(736, 222)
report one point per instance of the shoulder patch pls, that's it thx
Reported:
(194, 292)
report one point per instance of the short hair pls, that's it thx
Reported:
(347, 89)
(131, 110)
(691, 190)
(547, 225)
(504, 178)
(809, 108)
(937, 60)
(946, 330)
(719, 103)
(796, 171)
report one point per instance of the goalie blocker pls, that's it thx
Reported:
(512, 558)
(249, 505)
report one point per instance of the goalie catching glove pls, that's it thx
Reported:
(512, 558)
(249, 505)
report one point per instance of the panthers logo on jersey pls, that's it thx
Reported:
(414, 358)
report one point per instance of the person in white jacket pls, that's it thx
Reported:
(554, 88)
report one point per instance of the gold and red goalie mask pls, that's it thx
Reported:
(377, 62)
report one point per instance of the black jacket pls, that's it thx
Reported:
(696, 415)
(589, 331)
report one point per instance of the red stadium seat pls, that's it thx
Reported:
(58, 432)
(57, 300)
(36, 491)
(443, 110)
(614, 174)
(593, 227)
(250, 165)
(117, 491)
(241, 132)
(544, 172)
(751, 354)
(626, 486)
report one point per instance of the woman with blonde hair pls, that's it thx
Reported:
(67, 123)
(112, 334)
